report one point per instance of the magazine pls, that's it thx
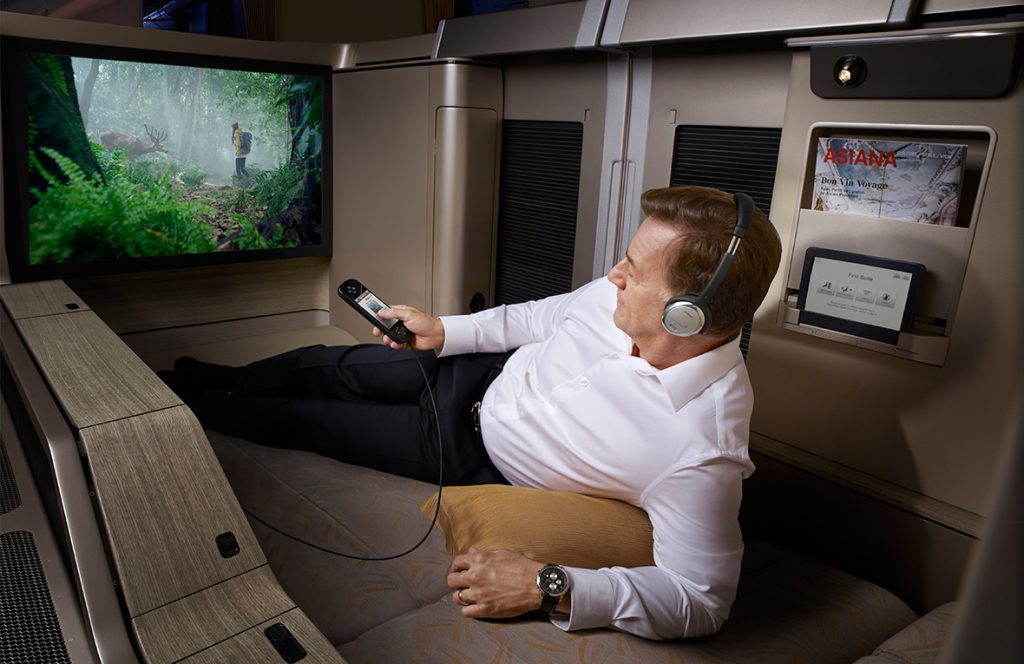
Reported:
(902, 180)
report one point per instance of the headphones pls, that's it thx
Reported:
(686, 315)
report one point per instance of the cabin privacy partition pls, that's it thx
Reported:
(134, 480)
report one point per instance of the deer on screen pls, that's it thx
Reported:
(132, 145)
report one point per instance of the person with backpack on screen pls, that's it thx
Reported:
(243, 144)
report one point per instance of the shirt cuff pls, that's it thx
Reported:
(592, 601)
(459, 335)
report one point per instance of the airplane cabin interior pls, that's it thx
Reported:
(497, 160)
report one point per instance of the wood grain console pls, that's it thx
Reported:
(165, 500)
(194, 581)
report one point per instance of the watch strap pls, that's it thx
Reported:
(548, 603)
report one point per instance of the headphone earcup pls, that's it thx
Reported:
(684, 316)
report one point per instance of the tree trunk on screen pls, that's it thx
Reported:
(56, 118)
(90, 84)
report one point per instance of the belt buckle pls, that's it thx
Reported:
(474, 412)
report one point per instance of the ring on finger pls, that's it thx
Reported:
(461, 601)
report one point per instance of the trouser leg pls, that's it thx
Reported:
(365, 405)
(367, 372)
(393, 438)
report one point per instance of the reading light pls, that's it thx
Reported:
(850, 71)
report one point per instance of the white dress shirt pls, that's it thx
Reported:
(573, 410)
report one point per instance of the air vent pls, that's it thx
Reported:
(728, 158)
(31, 632)
(10, 499)
(538, 199)
(731, 159)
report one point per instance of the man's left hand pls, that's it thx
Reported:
(494, 584)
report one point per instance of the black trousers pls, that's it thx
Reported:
(367, 405)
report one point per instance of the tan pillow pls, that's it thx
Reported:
(546, 526)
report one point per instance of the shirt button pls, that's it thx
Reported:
(584, 382)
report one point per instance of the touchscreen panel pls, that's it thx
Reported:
(372, 305)
(857, 294)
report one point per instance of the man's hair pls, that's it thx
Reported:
(705, 218)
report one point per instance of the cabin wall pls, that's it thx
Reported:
(923, 438)
(586, 88)
(744, 87)
(898, 454)
(935, 430)
(415, 167)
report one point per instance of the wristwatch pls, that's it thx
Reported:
(553, 583)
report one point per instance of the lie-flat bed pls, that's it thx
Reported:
(789, 608)
(200, 581)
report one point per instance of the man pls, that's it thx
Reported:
(240, 152)
(596, 396)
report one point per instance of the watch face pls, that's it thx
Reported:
(552, 580)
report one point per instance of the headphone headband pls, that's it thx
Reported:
(686, 315)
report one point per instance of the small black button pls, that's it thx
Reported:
(71, 305)
(227, 544)
(287, 646)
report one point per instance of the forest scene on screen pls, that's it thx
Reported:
(136, 159)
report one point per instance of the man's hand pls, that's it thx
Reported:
(428, 332)
(494, 584)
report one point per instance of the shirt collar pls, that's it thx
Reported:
(683, 381)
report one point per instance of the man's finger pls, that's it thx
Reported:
(458, 579)
(399, 311)
(460, 564)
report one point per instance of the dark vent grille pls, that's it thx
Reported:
(9, 496)
(730, 159)
(29, 631)
(540, 181)
(745, 338)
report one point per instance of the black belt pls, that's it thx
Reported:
(474, 410)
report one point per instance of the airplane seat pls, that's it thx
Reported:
(789, 607)
(384, 611)
(921, 642)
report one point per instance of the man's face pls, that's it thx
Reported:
(640, 278)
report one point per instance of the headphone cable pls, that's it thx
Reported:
(437, 507)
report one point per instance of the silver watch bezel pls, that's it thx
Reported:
(542, 587)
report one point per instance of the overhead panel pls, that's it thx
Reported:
(562, 26)
(634, 22)
(936, 7)
(976, 63)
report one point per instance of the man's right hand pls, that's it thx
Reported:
(428, 332)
